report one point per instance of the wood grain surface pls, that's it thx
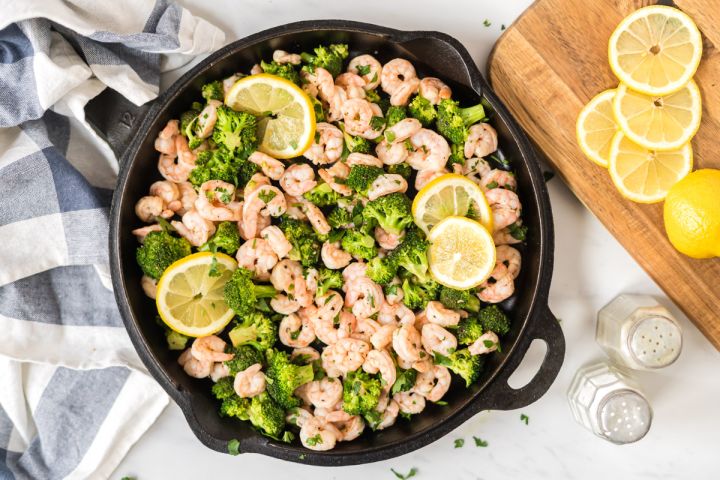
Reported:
(546, 66)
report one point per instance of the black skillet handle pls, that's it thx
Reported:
(501, 396)
(115, 119)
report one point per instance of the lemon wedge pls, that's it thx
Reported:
(461, 253)
(190, 296)
(596, 127)
(655, 50)
(286, 126)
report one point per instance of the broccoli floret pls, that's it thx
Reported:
(283, 70)
(306, 247)
(236, 131)
(452, 121)
(340, 218)
(354, 144)
(462, 363)
(491, 318)
(322, 195)
(283, 377)
(391, 212)
(241, 293)
(254, 329)
(318, 107)
(245, 356)
(359, 244)
(330, 58)
(221, 164)
(459, 299)
(226, 238)
(394, 114)
(417, 295)
(213, 91)
(362, 176)
(158, 251)
(382, 101)
(405, 380)
(411, 255)
(361, 392)
(421, 109)
(381, 270)
(267, 416)
(328, 280)
(175, 340)
(187, 119)
(517, 231)
(232, 405)
(469, 329)
(402, 169)
(457, 155)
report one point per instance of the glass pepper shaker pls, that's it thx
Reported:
(609, 403)
(637, 332)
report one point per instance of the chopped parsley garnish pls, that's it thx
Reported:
(524, 418)
(312, 441)
(413, 471)
(459, 442)
(233, 446)
(479, 442)
(363, 70)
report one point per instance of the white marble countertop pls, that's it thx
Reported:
(591, 268)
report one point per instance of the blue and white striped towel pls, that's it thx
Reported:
(74, 396)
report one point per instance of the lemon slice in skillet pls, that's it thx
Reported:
(190, 296)
(286, 126)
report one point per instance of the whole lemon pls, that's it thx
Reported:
(692, 214)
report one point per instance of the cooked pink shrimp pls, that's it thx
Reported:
(196, 229)
(510, 257)
(319, 435)
(296, 333)
(335, 104)
(481, 141)
(257, 256)
(357, 115)
(188, 195)
(381, 361)
(436, 339)
(270, 166)
(505, 206)
(439, 315)
(319, 83)
(382, 338)
(395, 73)
(350, 426)
(324, 393)
(344, 356)
(185, 156)
(168, 192)
(407, 343)
(194, 367)
(213, 201)
(329, 146)
(230, 81)
(294, 207)
(165, 142)
(352, 272)
(505, 236)
(316, 217)
(266, 200)
(441, 383)
(250, 382)
(142, 232)
(476, 167)
(353, 84)
(434, 90)
(311, 280)
(304, 355)
(497, 178)
(365, 297)
(391, 153)
(287, 276)
(210, 349)
(149, 208)
(410, 402)
(363, 159)
(219, 370)
(403, 130)
(298, 179)
(207, 118)
(171, 168)
(333, 256)
(387, 184)
(424, 177)
(371, 70)
(486, 343)
(277, 241)
(391, 314)
(281, 56)
(149, 286)
(388, 415)
(256, 181)
(394, 293)
(388, 241)
(256, 69)
(339, 170)
(364, 329)
(261, 222)
(431, 150)
(284, 305)
(402, 95)
(498, 287)
(324, 322)
(298, 416)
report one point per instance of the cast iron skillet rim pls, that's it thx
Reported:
(538, 302)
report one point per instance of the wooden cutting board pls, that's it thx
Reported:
(546, 66)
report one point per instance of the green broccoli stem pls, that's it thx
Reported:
(472, 115)
(265, 291)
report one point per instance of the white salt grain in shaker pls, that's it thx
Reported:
(610, 404)
(637, 332)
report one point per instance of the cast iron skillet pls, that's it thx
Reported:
(430, 52)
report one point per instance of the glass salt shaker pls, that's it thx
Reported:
(610, 404)
(637, 332)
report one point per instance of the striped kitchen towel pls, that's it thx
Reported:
(74, 396)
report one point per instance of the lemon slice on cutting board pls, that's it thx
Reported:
(286, 126)
(190, 296)
(596, 127)
(461, 253)
(659, 123)
(450, 195)
(655, 50)
(643, 175)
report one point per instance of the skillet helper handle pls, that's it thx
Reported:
(502, 396)
(115, 119)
